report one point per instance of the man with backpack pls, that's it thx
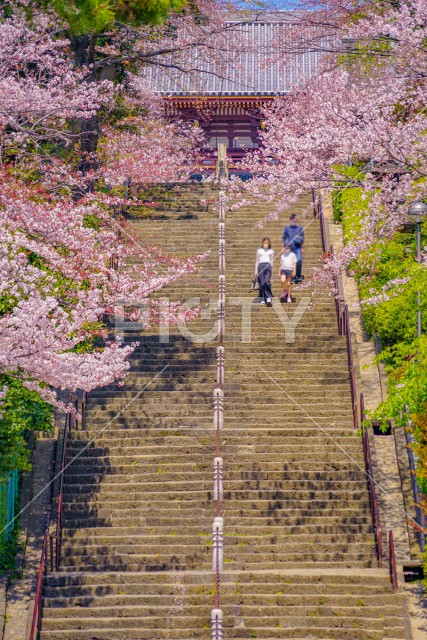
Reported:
(293, 237)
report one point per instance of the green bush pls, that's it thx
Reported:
(22, 410)
(348, 197)
(394, 319)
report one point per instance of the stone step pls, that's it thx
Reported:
(120, 462)
(120, 423)
(172, 563)
(246, 610)
(302, 622)
(309, 532)
(181, 467)
(302, 371)
(375, 578)
(266, 414)
(203, 482)
(169, 385)
(138, 542)
(255, 392)
(289, 435)
(264, 633)
(262, 445)
(238, 402)
(234, 520)
(286, 594)
(234, 400)
(233, 547)
(309, 479)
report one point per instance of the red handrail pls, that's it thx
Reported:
(373, 497)
(313, 195)
(84, 402)
(70, 419)
(392, 561)
(70, 422)
(343, 318)
(67, 428)
(48, 539)
(318, 213)
(374, 507)
(362, 407)
(351, 367)
(36, 621)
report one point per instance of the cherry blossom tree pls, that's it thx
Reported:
(76, 110)
(58, 240)
(365, 106)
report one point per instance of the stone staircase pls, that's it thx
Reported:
(299, 552)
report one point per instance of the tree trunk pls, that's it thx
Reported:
(84, 53)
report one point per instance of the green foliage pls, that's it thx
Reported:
(22, 410)
(355, 200)
(8, 550)
(348, 198)
(95, 16)
(394, 319)
(406, 365)
(420, 431)
(7, 303)
(92, 221)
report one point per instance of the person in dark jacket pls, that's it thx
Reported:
(293, 237)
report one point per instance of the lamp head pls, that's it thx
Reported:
(417, 210)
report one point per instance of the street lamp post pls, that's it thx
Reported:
(416, 212)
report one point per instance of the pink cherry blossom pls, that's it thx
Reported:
(366, 105)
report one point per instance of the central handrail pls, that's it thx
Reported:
(218, 394)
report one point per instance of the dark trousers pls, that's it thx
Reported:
(298, 252)
(264, 277)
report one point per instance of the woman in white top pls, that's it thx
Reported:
(263, 270)
(287, 271)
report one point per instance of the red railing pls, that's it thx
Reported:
(51, 545)
(84, 403)
(36, 621)
(344, 329)
(71, 424)
(371, 484)
(318, 213)
(374, 507)
(392, 561)
(343, 317)
(347, 332)
(59, 510)
(373, 496)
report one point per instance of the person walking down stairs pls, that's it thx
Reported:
(293, 235)
(287, 271)
(263, 270)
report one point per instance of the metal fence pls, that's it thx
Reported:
(9, 487)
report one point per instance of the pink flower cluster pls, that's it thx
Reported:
(365, 106)
(56, 274)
